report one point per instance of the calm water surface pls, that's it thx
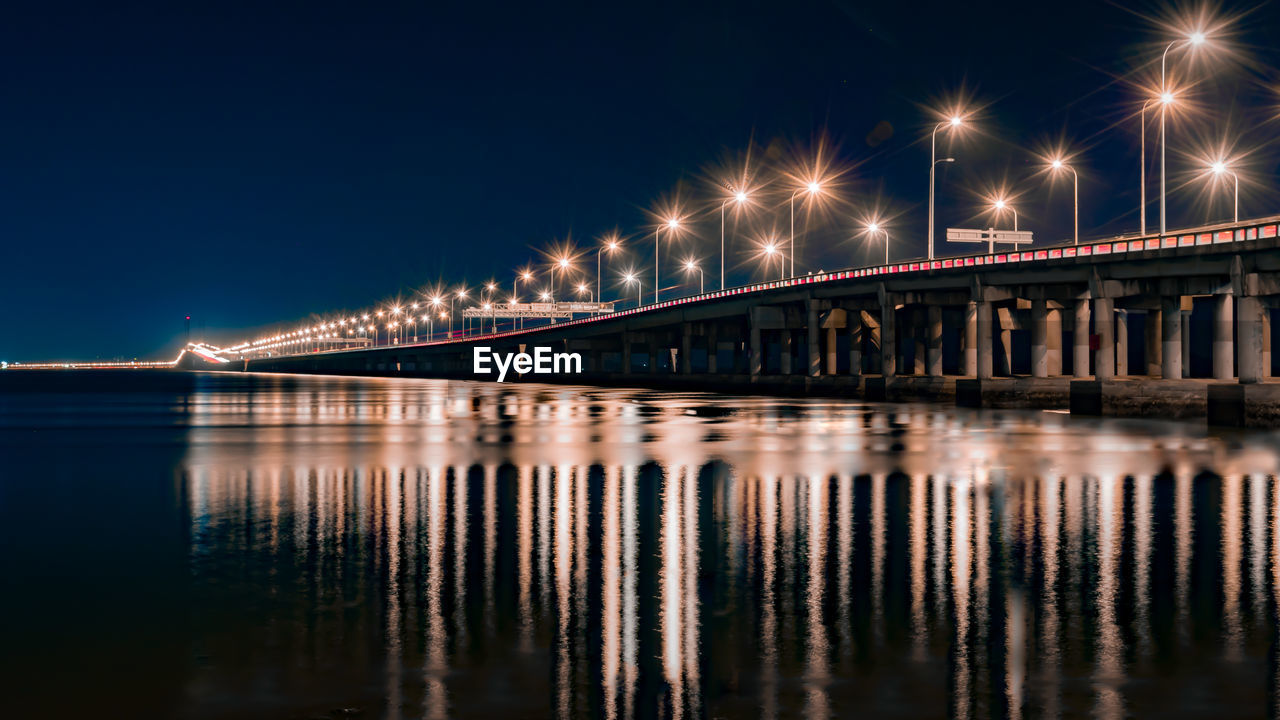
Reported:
(204, 546)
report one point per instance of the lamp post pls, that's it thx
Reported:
(691, 266)
(1195, 38)
(672, 224)
(954, 122)
(611, 244)
(1057, 164)
(813, 188)
(738, 197)
(1220, 168)
(1165, 98)
(872, 229)
(459, 295)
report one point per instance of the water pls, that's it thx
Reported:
(206, 546)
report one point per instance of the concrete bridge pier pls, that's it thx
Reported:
(1154, 347)
(812, 333)
(986, 352)
(1039, 338)
(1251, 338)
(888, 339)
(935, 341)
(1223, 347)
(1080, 340)
(854, 320)
(785, 341)
(1171, 338)
(969, 339)
(1122, 342)
(1104, 328)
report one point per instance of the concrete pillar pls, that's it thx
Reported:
(934, 338)
(986, 351)
(919, 332)
(784, 339)
(1004, 323)
(1080, 340)
(1104, 326)
(1153, 351)
(1053, 332)
(755, 360)
(626, 353)
(854, 318)
(1171, 338)
(1266, 341)
(1122, 343)
(713, 349)
(1251, 311)
(970, 338)
(811, 326)
(875, 342)
(1039, 338)
(833, 363)
(888, 340)
(1223, 347)
(1185, 322)
(686, 347)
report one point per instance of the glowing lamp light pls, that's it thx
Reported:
(1196, 38)
(740, 196)
(814, 187)
(1218, 168)
(999, 204)
(673, 223)
(1166, 98)
(955, 121)
(873, 227)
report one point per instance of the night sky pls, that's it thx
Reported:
(250, 165)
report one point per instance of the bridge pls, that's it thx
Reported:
(1175, 325)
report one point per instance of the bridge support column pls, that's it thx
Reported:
(875, 342)
(986, 351)
(1185, 322)
(1122, 343)
(1053, 344)
(713, 349)
(854, 318)
(1266, 341)
(1251, 312)
(970, 338)
(935, 341)
(785, 341)
(686, 348)
(1039, 338)
(919, 330)
(888, 339)
(1171, 338)
(1223, 347)
(833, 362)
(755, 357)
(812, 330)
(1004, 324)
(1080, 340)
(1153, 350)
(1104, 324)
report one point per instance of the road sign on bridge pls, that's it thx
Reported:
(991, 236)
(538, 310)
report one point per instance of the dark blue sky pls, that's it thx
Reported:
(253, 164)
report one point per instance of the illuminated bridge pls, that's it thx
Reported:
(1141, 324)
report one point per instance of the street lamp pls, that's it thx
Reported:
(672, 224)
(1219, 169)
(872, 229)
(436, 302)
(461, 294)
(691, 266)
(770, 250)
(611, 244)
(812, 187)
(1194, 39)
(633, 278)
(1056, 165)
(954, 122)
(1000, 205)
(739, 197)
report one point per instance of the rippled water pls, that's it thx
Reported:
(278, 547)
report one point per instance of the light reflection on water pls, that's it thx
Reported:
(416, 548)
